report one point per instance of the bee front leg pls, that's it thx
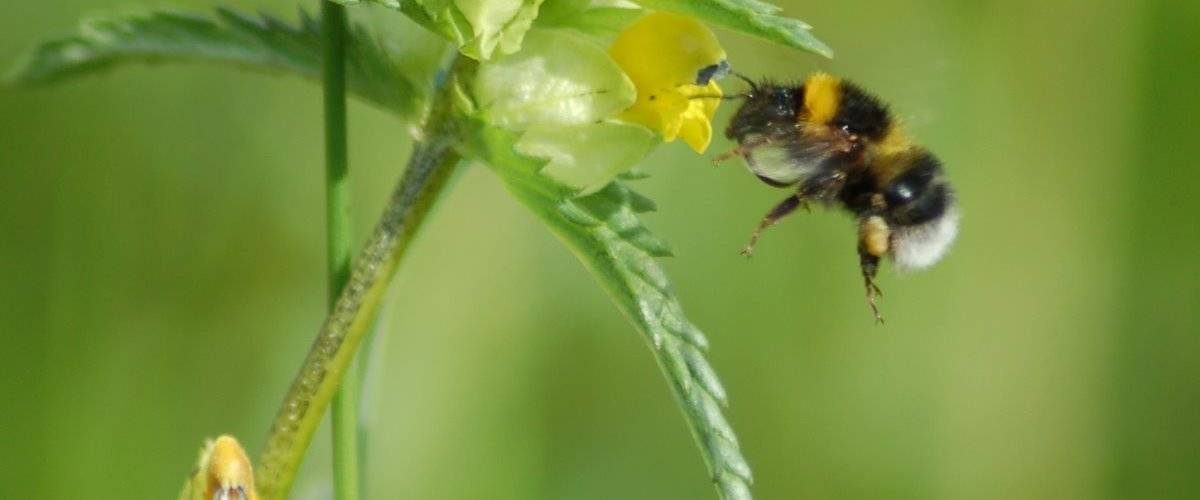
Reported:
(780, 211)
(873, 243)
(741, 150)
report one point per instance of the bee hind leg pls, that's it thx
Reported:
(780, 211)
(873, 242)
(870, 267)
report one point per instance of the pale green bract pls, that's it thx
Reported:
(560, 92)
(481, 29)
(497, 24)
(558, 79)
(601, 19)
(588, 157)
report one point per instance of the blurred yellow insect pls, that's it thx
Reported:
(223, 472)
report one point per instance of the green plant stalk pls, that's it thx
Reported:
(430, 167)
(344, 412)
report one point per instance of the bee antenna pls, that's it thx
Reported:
(729, 97)
(744, 78)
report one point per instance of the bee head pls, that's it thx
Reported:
(768, 109)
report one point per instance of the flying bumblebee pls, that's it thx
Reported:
(840, 146)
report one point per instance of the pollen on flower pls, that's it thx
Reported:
(673, 61)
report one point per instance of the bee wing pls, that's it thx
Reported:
(799, 155)
(778, 165)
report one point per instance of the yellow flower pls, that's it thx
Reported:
(222, 472)
(672, 60)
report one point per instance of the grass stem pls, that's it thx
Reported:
(344, 412)
(430, 167)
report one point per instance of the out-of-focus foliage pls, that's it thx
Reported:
(163, 273)
(1155, 353)
(261, 43)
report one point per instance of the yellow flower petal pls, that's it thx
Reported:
(697, 134)
(696, 129)
(663, 111)
(670, 59)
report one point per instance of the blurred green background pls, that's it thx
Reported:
(163, 275)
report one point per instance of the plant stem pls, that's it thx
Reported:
(429, 168)
(344, 413)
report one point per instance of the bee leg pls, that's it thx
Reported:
(780, 211)
(873, 243)
(741, 150)
(870, 266)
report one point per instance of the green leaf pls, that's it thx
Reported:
(560, 79)
(604, 232)
(479, 28)
(256, 42)
(752, 17)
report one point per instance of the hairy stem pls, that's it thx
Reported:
(430, 167)
(344, 413)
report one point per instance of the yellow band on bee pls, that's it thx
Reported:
(894, 141)
(821, 95)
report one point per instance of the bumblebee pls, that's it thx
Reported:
(837, 145)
